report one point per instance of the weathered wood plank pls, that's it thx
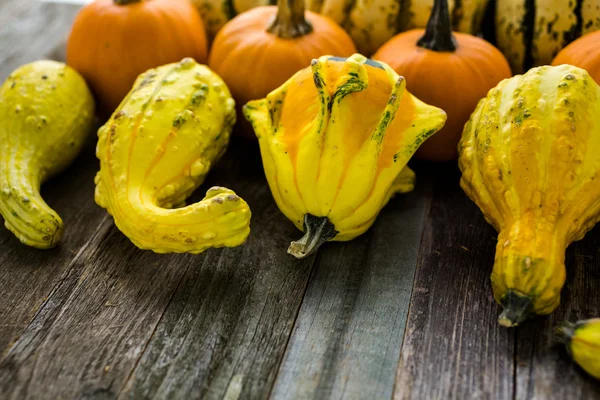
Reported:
(31, 30)
(544, 369)
(453, 346)
(226, 329)
(228, 316)
(27, 276)
(347, 338)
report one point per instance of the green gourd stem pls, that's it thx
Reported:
(25, 213)
(565, 333)
(317, 230)
(438, 34)
(126, 2)
(289, 22)
(517, 308)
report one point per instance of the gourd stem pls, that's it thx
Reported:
(289, 22)
(438, 34)
(126, 2)
(565, 333)
(317, 230)
(517, 308)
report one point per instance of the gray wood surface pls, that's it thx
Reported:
(348, 335)
(544, 369)
(29, 31)
(227, 326)
(454, 347)
(405, 310)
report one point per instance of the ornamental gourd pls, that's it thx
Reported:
(46, 112)
(113, 41)
(583, 53)
(157, 149)
(420, 56)
(531, 33)
(530, 159)
(369, 22)
(582, 340)
(335, 140)
(276, 42)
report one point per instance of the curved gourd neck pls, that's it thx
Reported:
(25, 212)
(126, 2)
(289, 22)
(438, 34)
(526, 254)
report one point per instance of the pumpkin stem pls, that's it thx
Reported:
(126, 2)
(317, 230)
(438, 34)
(289, 22)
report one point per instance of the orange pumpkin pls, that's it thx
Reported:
(583, 53)
(257, 51)
(449, 70)
(113, 41)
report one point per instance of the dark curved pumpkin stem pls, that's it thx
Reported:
(317, 230)
(438, 34)
(289, 22)
(126, 2)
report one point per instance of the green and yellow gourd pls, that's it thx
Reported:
(582, 340)
(157, 148)
(335, 140)
(530, 159)
(370, 23)
(532, 32)
(46, 112)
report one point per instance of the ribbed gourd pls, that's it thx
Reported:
(531, 32)
(46, 113)
(582, 340)
(335, 140)
(370, 23)
(156, 150)
(530, 159)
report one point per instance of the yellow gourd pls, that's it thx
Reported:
(335, 140)
(46, 112)
(582, 340)
(530, 158)
(157, 149)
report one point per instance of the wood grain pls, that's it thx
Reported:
(543, 367)
(453, 346)
(225, 331)
(28, 276)
(28, 31)
(347, 339)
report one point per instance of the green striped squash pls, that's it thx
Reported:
(531, 32)
(370, 22)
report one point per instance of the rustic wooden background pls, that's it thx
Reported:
(404, 310)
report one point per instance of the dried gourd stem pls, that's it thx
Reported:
(126, 2)
(317, 230)
(517, 308)
(438, 34)
(289, 22)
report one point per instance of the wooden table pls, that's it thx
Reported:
(404, 310)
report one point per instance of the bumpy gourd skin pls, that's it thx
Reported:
(583, 344)
(335, 140)
(530, 158)
(157, 149)
(46, 112)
